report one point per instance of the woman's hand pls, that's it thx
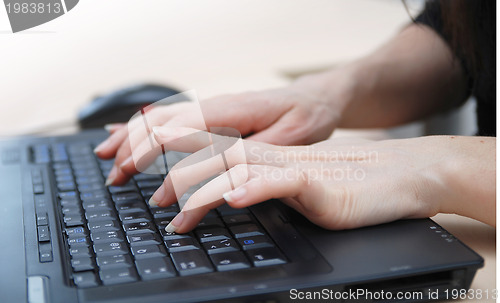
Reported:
(286, 116)
(336, 184)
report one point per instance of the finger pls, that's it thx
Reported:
(153, 114)
(254, 184)
(191, 171)
(208, 162)
(206, 198)
(113, 127)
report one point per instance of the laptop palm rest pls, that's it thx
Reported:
(13, 281)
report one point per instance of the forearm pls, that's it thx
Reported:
(410, 77)
(468, 172)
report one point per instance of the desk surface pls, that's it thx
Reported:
(216, 46)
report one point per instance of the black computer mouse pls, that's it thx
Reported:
(120, 105)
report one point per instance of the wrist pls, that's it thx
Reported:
(465, 174)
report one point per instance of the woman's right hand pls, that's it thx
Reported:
(291, 115)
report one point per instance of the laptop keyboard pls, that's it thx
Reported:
(113, 236)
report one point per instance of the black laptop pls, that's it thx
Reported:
(68, 238)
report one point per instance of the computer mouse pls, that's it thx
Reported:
(120, 105)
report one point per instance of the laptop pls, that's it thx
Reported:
(68, 238)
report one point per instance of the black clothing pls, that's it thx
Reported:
(482, 81)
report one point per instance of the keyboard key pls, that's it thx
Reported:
(94, 216)
(135, 217)
(255, 242)
(148, 251)
(181, 245)
(72, 210)
(65, 186)
(126, 197)
(237, 219)
(43, 233)
(172, 235)
(78, 241)
(45, 252)
(77, 231)
(101, 226)
(155, 268)
(138, 228)
(85, 279)
(246, 230)
(112, 248)
(220, 246)
(88, 180)
(118, 275)
(114, 261)
(191, 262)
(143, 239)
(230, 261)
(266, 256)
(82, 263)
(107, 236)
(131, 207)
(98, 205)
(149, 183)
(69, 194)
(142, 177)
(80, 251)
(211, 222)
(122, 189)
(96, 194)
(73, 220)
(42, 218)
(225, 210)
(163, 222)
(91, 187)
(164, 212)
(212, 234)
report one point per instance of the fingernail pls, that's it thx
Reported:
(111, 177)
(100, 146)
(126, 162)
(152, 202)
(158, 196)
(235, 195)
(176, 222)
(109, 127)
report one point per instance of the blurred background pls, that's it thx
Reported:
(50, 72)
